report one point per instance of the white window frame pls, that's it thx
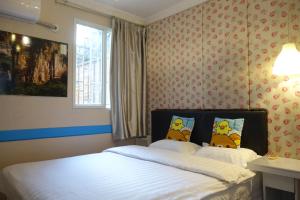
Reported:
(104, 64)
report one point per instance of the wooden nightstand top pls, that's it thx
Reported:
(280, 166)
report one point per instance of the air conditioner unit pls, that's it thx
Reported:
(25, 10)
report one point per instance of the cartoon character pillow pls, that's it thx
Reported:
(181, 128)
(227, 133)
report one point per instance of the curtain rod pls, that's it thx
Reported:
(91, 11)
(79, 7)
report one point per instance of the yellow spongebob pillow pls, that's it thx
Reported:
(181, 128)
(227, 133)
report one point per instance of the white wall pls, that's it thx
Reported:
(27, 112)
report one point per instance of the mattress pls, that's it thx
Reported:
(130, 172)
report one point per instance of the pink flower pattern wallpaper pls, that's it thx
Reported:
(220, 54)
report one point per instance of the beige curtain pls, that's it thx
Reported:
(128, 80)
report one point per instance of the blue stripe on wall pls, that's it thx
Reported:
(30, 134)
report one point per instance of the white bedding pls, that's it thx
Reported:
(130, 172)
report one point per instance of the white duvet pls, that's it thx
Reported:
(129, 172)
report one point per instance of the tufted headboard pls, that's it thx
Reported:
(254, 134)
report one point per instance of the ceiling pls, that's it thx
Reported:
(138, 11)
(140, 8)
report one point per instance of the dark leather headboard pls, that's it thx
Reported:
(254, 134)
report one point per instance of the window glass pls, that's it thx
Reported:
(92, 66)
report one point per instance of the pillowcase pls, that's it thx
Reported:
(172, 145)
(238, 157)
(181, 128)
(227, 133)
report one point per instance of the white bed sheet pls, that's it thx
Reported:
(249, 190)
(109, 175)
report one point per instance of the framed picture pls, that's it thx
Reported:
(32, 66)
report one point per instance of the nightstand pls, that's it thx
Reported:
(281, 174)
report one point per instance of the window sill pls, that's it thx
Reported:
(90, 107)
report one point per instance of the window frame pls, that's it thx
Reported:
(104, 63)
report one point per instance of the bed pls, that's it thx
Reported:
(137, 172)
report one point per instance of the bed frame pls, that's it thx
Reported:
(254, 134)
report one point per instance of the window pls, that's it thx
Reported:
(92, 63)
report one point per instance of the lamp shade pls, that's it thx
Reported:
(288, 61)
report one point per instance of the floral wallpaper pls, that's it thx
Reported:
(219, 54)
(271, 24)
(225, 83)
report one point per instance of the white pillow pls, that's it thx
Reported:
(239, 156)
(178, 146)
